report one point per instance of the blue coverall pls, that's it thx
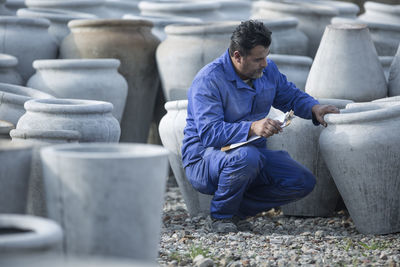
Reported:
(221, 108)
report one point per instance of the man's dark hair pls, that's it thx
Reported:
(248, 35)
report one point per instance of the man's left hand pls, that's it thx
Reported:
(319, 112)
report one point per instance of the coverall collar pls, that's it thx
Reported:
(231, 74)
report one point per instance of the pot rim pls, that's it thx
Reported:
(16, 94)
(81, 23)
(217, 27)
(176, 5)
(388, 99)
(163, 20)
(370, 24)
(381, 7)
(45, 134)
(63, 4)
(291, 59)
(288, 22)
(96, 63)
(335, 101)
(121, 4)
(69, 106)
(6, 127)
(176, 105)
(29, 22)
(305, 8)
(8, 61)
(52, 14)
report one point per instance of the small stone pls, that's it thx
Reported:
(200, 261)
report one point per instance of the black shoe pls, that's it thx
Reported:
(242, 224)
(223, 225)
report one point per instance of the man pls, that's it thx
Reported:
(227, 103)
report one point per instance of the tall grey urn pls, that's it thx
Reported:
(347, 51)
(14, 176)
(394, 76)
(24, 235)
(107, 197)
(386, 62)
(361, 147)
(91, 118)
(13, 98)
(14, 5)
(91, 79)
(5, 128)
(8, 72)
(300, 139)
(171, 133)
(296, 68)
(27, 39)
(381, 13)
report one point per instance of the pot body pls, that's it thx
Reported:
(394, 75)
(93, 204)
(8, 70)
(133, 44)
(171, 132)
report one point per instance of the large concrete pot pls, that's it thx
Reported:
(23, 235)
(28, 40)
(8, 72)
(58, 19)
(394, 76)
(92, 79)
(14, 176)
(296, 68)
(118, 8)
(365, 166)
(5, 128)
(133, 44)
(300, 139)
(92, 119)
(381, 13)
(13, 98)
(187, 49)
(107, 192)
(347, 51)
(171, 133)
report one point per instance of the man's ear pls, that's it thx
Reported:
(237, 57)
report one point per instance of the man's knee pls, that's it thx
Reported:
(246, 160)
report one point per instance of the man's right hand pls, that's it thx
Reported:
(265, 127)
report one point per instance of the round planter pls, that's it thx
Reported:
(27, 39)
(118, 8)
(5, 128)
(300, 139)
(296, 68)
(14, 5)
(365, 167)
(187, 49)
(94, 204)
(381, 13)
(133, 44)
(347, 51)
(14, 176)
(8, 72)
(92, 119)
(13, 98)
(394, 76)
(58, 19)
(386, 62)
(23, 235)
(91, 79)
(171, 133)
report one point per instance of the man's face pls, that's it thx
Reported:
(252, 65)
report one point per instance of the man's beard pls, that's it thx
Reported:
(257, 74)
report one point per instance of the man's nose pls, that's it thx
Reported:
(264, 63)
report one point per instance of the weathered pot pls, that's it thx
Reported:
(186, 50)
(296, 68)
(14, 176)
(92, 119)
(133, 44)
(111, 192)
(13, 98)
(394, 76)
(5, 128)
(24, 235)
(28, 40)
(300, 139)
(365, 166)
(14, 5)
(118, 8)
(8, 72)
(347, 51)
(92, 79)
(171, 133)
(386, 63)
(58, 19)
(381, 13)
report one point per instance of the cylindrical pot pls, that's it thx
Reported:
(171, 133)
(394, 75)
(5, 128)
(187, 49)
(381, 13)
(58, 19)
(296, 68)
(92, 79)
(92, 119)
(386, 63)
(347, 51)
(24, 235)
(14, 5)
(8, 72)
(118, 8)
(14, 176)
(13, 98)
(133, 44)
(112, 192)
(205, 10)
(28, 40)
(365, 166)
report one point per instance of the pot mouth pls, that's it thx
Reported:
(26, 22)
(67, 106)
(63, 4)
(53, 14)
(163, 20)
(7, 61)
(297, 7)
(45, 134)
(171, 5)
(288, 22)
(218, 27)
(291, 59)
(176, 105)
(98, 63)
(82, 23)
(388, 99)
(106, 150)
(347, 26)
(339, 103)
(16, 94)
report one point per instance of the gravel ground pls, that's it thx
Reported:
(276, 240)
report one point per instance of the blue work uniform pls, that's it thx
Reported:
(221, 108)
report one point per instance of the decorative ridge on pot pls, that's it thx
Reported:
(202, 28)
(74, 106)
(177, 5)
(298, 60)
(19, 94)
(45, 134)
(298, 7)
(61, 4)
(76, 24)
(28, 22)
(53, 14)
(175, 105)
(99, 63)
(7, 61)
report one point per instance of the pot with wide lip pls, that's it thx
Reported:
(8, 72)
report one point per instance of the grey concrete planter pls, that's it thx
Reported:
(361, 147)
(171, 133)
(13, 98)
(8, 71)
(24, 235)
(347, 51)
(92, 119)
(14, 176)
(107, 192)
(394, 76)
(381, 13)
(5, 128)
(91, 79)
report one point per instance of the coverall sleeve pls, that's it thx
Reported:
(208, 113)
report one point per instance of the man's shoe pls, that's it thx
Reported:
(223, 225)
(242, 224)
